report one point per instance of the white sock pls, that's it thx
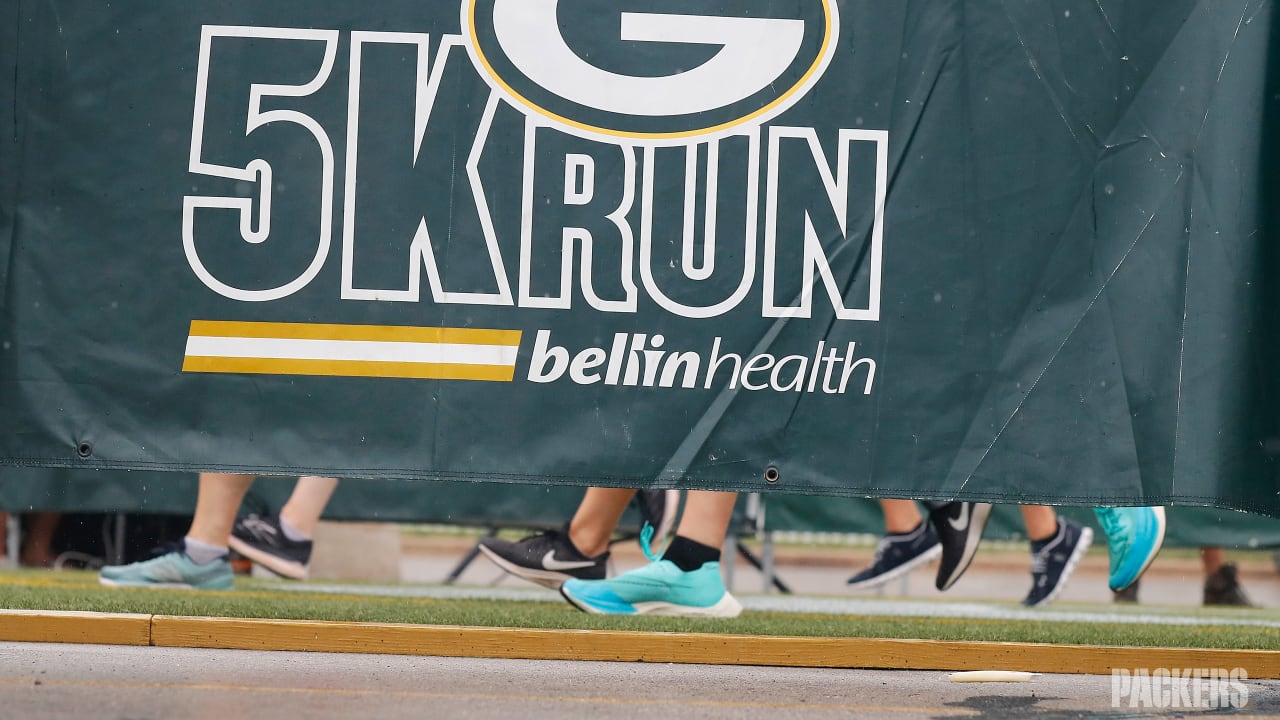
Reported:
(291, 531)
(202, 553)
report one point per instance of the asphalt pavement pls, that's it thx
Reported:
(51, 682)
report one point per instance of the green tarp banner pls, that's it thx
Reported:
(988, 250)
(505, 505)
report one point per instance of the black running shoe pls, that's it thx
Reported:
(1053, 561)
(897, 554)
(658, 508)
(959, 526)
(1223, 588)
(260, 539)
(547, 558)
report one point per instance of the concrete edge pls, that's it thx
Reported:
(613, 646)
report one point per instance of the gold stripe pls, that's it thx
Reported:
(349, 368)
(376, 333)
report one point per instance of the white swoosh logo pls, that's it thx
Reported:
(550, 562)
(963, 521)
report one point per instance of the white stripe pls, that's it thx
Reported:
(366, 350)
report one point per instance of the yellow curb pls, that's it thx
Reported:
(697, 648)
(75, 627)
(613, 645)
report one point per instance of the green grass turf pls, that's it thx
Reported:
(71, 590)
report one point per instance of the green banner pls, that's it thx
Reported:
(506, 505)
(987, 250)
(8, 140)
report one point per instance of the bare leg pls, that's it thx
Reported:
(900, 516)
(216, 505)
(305, 506)
(1041, 522)
(597, 517)
(1213, 559)
(37, 550)
(706, 516)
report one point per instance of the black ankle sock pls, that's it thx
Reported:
(1038, 545)
(564, 533)
(689, 555)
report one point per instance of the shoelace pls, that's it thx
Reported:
(1110, 525)
(1039, 562)
(1113, 527)
(881, 548)
(258, 525)
(646, 538)
(164, 548)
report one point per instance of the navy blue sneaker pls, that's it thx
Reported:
(1053, 561)
(897, 554)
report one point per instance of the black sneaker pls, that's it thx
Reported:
(260, 539)
(1053, 561)
(959, 526)
(548, 558)
(658, 508)
(1127, 595)
(1223, 588)
(897, 554)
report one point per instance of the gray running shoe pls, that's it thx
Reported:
(172, 570)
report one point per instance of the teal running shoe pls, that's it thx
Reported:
(174, 570)
(1134, 537)
(659, 588)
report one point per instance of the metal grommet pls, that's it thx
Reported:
(84, 449)
(771, 474)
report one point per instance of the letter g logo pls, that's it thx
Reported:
(627, 69)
